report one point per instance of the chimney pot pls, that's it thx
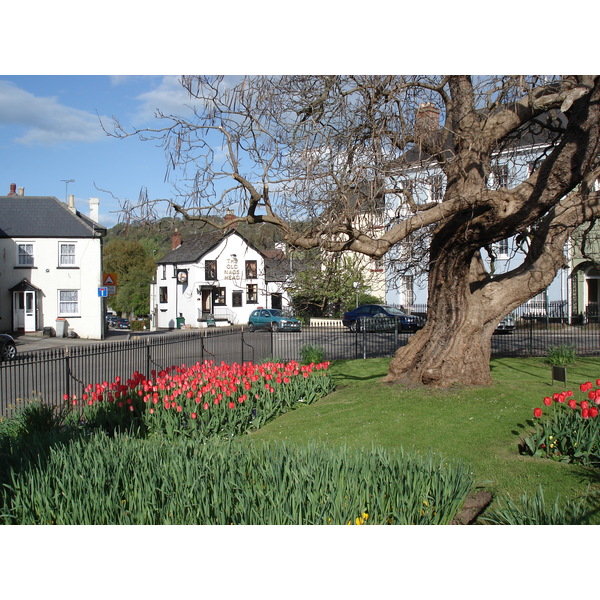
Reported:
(71, 202)
(13, 189)
(21, 191)
(175, 240)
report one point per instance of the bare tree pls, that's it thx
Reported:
(317, 156)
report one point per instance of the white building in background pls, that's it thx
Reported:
(50, 266)
(216, 276)
(408, 288)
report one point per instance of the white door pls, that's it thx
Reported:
(29, 311)
(24, 311)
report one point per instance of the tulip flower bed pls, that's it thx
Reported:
(126, 480)
(567, 430)
(203, 400)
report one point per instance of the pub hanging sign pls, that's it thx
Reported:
(182, 276)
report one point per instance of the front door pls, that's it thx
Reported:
(24, 311)
(206, 302)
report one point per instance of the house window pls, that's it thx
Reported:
(500, 175)
(66, 254)
(236, 298)
(276, 300)
(219, 298)
(163, 295)
(251, 269)
(210, 270)
(437, 188)
(501, 249)
(164, 271)
(252, 293)
(68, 302)
(25, 255)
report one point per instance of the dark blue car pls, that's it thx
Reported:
(379, 317)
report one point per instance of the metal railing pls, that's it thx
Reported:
(49, 374)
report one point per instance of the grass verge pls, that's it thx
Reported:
(479, 425)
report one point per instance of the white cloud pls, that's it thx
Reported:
(46, 121)
(169, 97)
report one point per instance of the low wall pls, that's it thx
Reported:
(318, 322)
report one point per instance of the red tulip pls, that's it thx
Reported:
(572, 404)
(585, 413)
(537, 413)
(547, 401)
(593, 412)
(193, 415)
(585, 404)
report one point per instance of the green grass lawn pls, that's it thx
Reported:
(478, 425)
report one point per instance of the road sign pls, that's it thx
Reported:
(109, 281)
(102, 292)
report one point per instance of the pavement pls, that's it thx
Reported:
(32, 342)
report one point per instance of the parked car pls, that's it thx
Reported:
(379, 317)
(8, 348)
(112, 321)
(507, 325)
(123, 323)
(272, 319)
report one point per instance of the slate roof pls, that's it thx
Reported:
(277, 265)
(192, 249)
(43, 217)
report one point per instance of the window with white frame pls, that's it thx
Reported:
(501, 249)
(25, 254)
(66, 254)
(68, 303)
(500, 176)
(437, 188)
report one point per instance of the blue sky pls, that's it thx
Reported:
(50, 132)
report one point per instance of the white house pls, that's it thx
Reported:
(50, 266)
(215, 275)
(408, 286)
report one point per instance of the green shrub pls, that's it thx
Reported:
(123, 480)
(533, 510)
(561, 355)
(139, 325)
(311, 354)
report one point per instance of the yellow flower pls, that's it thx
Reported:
(365, 516)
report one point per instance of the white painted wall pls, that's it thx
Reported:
(85, 276)
(186, 300)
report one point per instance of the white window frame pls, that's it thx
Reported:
(502, 249)
(61, 245)
(22, 255)
(68, 301)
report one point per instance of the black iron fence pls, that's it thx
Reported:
(49, 374)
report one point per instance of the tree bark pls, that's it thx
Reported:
(454, 347)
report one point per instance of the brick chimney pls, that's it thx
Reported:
(229, 216)
(427, 120)
(13, 190)
(175, 240)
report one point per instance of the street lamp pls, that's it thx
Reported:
(67, 182)
(355, 284)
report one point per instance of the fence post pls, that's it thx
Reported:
(67, 372)
(364, 343)
(148, 358)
